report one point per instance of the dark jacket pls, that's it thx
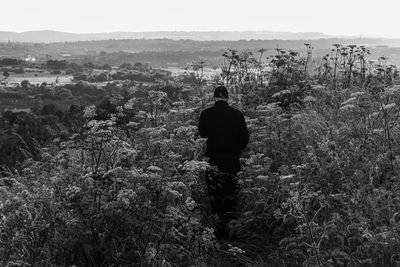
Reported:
(225, 130)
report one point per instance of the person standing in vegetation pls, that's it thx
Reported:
(227, 136)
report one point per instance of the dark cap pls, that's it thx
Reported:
(221, 91)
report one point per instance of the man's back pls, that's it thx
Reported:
(227, 136)
(225, 130)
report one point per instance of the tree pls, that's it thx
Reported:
(89, 65)
(37, 107)
(6, 74)
(49, 109)
(104, 109)
(64, 92)
(125, 66)
(56, 64)
(25, 84)
(138, 66)
(10, 62)
(19, 71)
(106, 67)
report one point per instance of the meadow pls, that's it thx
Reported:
(49, 78)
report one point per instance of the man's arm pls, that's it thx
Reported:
(202, 126)
(243, 133)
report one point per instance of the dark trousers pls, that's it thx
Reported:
(223, 190)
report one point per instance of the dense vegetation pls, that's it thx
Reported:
(123, 185)
(91, 82)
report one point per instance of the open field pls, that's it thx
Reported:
(39, 79)
(207, 72)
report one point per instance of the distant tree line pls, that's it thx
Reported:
(179, 58)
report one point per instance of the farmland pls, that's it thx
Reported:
(17, 79)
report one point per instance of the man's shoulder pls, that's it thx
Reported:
(236, 111)
(206, 110)
(226, 108)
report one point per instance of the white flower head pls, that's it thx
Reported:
(89, 112)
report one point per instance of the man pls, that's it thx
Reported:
(227, 136)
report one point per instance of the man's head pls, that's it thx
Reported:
(221, 93)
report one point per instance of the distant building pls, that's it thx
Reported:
(29, 58)
(382, 46)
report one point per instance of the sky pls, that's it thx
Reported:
(336, 17)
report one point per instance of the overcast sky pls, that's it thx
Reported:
(339, 17)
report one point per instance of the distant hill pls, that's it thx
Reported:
(20, 49)
(55, 36)
(165, 51)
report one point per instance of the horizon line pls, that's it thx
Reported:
(323, 34)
